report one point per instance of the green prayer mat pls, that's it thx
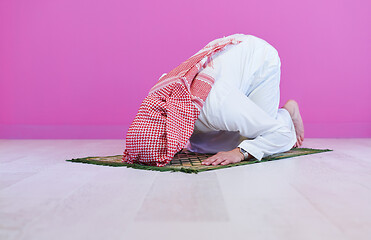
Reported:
(190, 162)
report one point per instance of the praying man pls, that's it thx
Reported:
(223, 100)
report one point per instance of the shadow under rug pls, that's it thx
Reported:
(190, 162)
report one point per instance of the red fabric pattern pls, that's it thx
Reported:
(166, 117)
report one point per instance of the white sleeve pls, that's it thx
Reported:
(274, 140)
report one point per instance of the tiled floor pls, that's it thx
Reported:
(320, 196)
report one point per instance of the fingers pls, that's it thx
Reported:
(209, 160)
(223, 158)
(214, 160)
(217, 161)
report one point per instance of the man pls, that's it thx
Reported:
(240, 118)
(223, 99)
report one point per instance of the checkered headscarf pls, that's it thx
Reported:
(166, 117)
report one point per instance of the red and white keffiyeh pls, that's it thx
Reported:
(165, 120)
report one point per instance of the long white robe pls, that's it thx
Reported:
(241, 109)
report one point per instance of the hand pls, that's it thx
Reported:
(224, 158)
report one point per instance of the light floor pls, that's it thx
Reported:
(320, 196)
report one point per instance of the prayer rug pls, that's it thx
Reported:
(190, 162)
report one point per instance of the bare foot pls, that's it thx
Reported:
(293, 108)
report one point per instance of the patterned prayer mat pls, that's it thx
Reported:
(189, 162)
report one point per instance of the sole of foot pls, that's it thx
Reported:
(293, 108)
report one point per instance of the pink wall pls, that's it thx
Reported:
(75, 68)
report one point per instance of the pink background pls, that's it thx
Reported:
(80, 68)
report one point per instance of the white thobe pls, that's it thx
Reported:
(241, 109)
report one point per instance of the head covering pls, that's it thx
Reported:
(165, 120)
